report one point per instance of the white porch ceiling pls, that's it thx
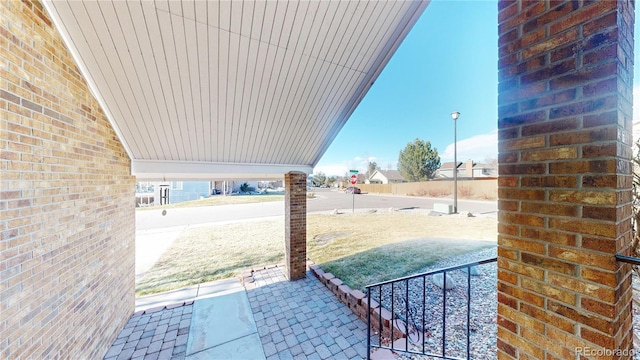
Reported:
(252, 89)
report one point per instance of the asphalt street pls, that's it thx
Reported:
(326, 200)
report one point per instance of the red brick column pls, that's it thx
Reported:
(295, 218)
(565, 94)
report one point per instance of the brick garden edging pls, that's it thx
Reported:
(355, 300)
(246, 278)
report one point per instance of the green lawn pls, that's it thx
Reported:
(359, 249)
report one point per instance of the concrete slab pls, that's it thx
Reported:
(167, 298)
(443, 208)
(219, 287)
(248, 347)
(221, 319)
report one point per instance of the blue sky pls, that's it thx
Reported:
(447, 63)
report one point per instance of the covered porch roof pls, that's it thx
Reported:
(231, 89)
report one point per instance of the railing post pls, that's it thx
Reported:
(424, 305)
(393, 312)
(469, 312)
(406, 317)
(380, 316)
(369, 324)
(444, 312)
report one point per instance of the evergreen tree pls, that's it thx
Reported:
(418, 161)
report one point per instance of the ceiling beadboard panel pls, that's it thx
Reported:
(265, 84)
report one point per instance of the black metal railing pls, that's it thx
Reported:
(407, 315)
(628, 259)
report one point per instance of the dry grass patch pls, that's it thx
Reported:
(214, 252)
(377, 247)
(360, 249)
(219, 200)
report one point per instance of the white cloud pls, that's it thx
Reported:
(339, 169)
(636, 113)
(357, 163)
(636, 102)
(477, 148)
(331, 169)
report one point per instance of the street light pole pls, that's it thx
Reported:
(454, 116)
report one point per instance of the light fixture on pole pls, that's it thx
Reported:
(454, 116)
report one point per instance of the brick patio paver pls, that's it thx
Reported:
(295, 320)
(303, 319)
(153, 334)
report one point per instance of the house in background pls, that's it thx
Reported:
(468, 169)
(479, 170)
(151, 193)
(446, 170)
(386, 177)
(180, 191)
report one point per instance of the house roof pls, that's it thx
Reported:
(389, 174)
(483, 165)
(231, 88)
(449, 165)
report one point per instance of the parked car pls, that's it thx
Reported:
(352, 190)
(215, 192)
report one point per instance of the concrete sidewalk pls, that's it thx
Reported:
(223, 327)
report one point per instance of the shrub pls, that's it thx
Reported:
(421, 192)
(464, 191)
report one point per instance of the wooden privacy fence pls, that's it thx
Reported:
(485, 188)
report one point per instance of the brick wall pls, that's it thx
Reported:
(295, 226)
(565, 83)
(66, 201)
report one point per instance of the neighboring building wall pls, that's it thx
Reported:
(481, 171)
(469, 170)
(446, 173)
(565, 87)
(66, 201)
(191, 190)
(378, 178)
(386, 177)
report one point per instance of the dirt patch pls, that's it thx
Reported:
(327, 238)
